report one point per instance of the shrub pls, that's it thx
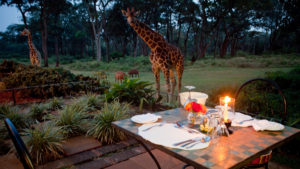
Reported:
(18, 119)
(44, 142)
(132, 91)
(101, 124)
(55, 104)
(72, 119)
(23, 76)
(38, 111)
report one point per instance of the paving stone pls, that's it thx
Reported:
(88, 155)
(72, 160)
(10, 161)
(115, 147)
(79, 144)
(96, 164)
(111, 160)
(165, 160)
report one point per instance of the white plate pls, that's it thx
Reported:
(145, 118)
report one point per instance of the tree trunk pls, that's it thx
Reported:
(135, 38)
(23, 15)
(93, 49)
(185, 41)
(56, 50)
(179, 29)
(107, 48)
(44, 35)
(98, 48)
(224, 46)
(233, 47)
(216, 44)
(123, 47)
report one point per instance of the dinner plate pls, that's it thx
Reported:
(145, 118)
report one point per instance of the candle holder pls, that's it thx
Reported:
(228, 125)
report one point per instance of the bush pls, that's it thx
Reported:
(101, 127)
(23, 76)
(132, 91)
(18, 119)
(55, 104)
(38, 111)
(72, 119)
(44, 142)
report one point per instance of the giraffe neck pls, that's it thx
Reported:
(30, 44)
(147, 34)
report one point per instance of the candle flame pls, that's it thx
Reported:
(227, 99)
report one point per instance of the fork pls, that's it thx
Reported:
(188, 141)
(157, 125)
(187, 129)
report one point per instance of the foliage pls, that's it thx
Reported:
(44, 142)
(18, 119)
(101, 124)
(38, 111)
(131, 91)
(18, 75)
(72, 119)
(55, 104)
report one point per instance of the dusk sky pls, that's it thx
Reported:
(8, 16)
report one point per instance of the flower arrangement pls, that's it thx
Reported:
(195, 107)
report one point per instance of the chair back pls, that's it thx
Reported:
(19, 145)
(269, 82)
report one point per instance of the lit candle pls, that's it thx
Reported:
(226, 101)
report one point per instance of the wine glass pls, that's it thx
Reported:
(189, 99)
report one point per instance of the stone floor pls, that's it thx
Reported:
(87, 153)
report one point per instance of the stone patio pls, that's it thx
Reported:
(87, 153)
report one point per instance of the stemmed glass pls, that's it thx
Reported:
(189, 99)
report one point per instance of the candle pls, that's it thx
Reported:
(226, 101)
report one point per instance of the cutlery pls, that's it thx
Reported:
(206, 139)
(157, 125)
(180, 125)
(241, 122)
(188, 141)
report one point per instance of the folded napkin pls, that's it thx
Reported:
(238, 118)
(168, 134)
(260, 125)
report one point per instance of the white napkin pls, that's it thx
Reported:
(145, 118)
(260, 125)
(239, 117)
(167, 135)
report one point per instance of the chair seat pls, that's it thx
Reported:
(263, 159)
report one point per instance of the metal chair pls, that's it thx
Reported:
(19, 145)
(263, 160)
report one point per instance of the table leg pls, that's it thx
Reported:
(152, 156)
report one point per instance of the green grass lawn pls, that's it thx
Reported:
(207, 78)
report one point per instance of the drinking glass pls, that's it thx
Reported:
(189, 99)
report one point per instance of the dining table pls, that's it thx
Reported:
(233, 151)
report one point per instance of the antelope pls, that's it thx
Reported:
(120, 76)
(133, 73)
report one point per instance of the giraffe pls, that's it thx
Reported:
(34, 54)
(163, 56)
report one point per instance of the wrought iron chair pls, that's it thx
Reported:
(19, 145)
(263, 160)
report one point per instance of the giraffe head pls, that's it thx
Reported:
(130, 15)
(25, 32)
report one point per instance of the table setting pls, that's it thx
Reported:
(206, 136)
(201, 126)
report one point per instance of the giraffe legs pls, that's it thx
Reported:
(173, 83)
(167, 78)
(157, 80)
(179, 72)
